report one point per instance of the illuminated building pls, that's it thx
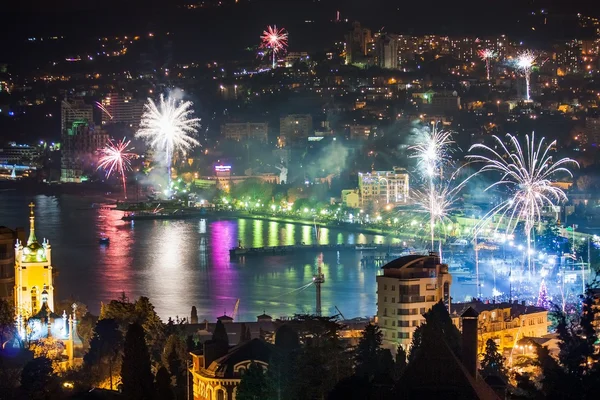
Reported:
(362, 132)
(19, 154)
(74, 110)
(350, 198)
(408, 288)
(387, 51)
(295, 128)
(293, 57)
(383, 187)
(592, 129)
(8, 237)
(242, 131)
(217, 370)
(568, 57)
(123, 109)
(80, 145)
(34, 296)
(357, 41)
(33, 273)
(504, 323)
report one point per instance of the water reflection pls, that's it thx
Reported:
(178, 264)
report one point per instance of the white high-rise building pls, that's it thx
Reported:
(408, 288)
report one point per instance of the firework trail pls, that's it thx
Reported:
(525, 173)
(437, 201)
(487, 55)
(168, 126)
(116, 157)
(432, 151)
(274, 39)
(103, 109)
(525, 62)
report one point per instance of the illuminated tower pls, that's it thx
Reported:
(33, 274)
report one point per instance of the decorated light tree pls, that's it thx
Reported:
(543, 300)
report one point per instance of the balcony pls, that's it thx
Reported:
(411, 299)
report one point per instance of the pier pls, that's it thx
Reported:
(270, 250)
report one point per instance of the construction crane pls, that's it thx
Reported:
(319, 279)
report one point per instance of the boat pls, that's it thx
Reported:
(104, 240)
(366, 247)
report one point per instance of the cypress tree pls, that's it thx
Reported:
(135, 371)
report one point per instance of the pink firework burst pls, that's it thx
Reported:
(275, 40)
(487, 55)
(116, 157)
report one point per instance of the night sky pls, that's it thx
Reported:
(224, 31)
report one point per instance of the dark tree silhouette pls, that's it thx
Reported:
(254, 385)
(38, 380)
(492, 362)
(135, 371)
(367, 356)
(163, 385)
(220, 334)
(104, 355)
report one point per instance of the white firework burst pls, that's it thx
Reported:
(526, 174)
(169, 126)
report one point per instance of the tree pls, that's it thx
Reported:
(104, 355)
(323, 360)
(437, 320)
(400, 362)
(492, 362)
(163, 385)
(543, 300)
(49, 348)
(576, 375)
(7, 323)
(38, 380)
(135, 371)
(367, 352)
(254, 384)
(174, 358)
(220, 334)
(141, 312)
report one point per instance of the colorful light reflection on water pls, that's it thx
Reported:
(178, 264)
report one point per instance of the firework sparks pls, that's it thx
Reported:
(275, 40)
(526, 174)
(103, 109)
(116, 157)
(525, 62)
(437, 201)
(168, 127)
(432, 152)
(487, 55)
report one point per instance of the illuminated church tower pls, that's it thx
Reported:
(34, 288)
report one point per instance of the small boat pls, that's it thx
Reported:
(366, 247)
(104, 240)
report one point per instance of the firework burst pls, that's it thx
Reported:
(275, 40)
(525, 62)
(116, 157)
(526, 174)
(168, 126)
(437, 201)
(487, 55)
(432, 151)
